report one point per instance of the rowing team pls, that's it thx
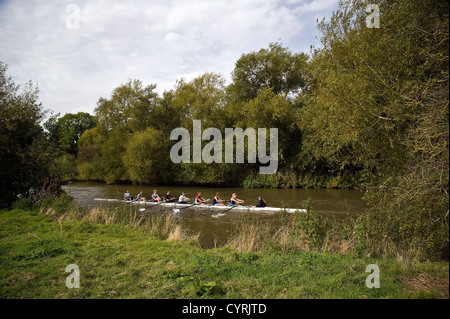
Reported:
(234, 201)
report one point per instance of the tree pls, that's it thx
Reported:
(377, 102)
(203, 98)
(100, 156)
(367, 87)
(276, 68)
(129, 108)
(269, 110)
(128, 111)
(145, 157)
(67, 130)
(25, 154)
(89, 159)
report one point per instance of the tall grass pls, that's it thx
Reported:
(249, 235)
(312, 232)
(158, 223)
(300, 231)
(363, 236)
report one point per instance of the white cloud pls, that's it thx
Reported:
(171, 36)
(316, 6)
(154, 41)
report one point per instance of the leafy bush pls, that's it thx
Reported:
(59, 205)
(312, 225)
(23, 203)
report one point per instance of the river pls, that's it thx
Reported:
(214, 231)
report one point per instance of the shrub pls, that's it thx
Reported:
(23, 203)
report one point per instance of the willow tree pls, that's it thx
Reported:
(203, 98)
(146, 157)
(276, 68)
(89, 157)
(269, 110)
(263, 93)
(129, 110)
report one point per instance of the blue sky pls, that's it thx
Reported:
(79, 51)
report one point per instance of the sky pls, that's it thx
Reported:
(79, 51)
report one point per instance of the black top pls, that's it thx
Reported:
(261, 203)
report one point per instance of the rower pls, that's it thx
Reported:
(217, 200)
(199, 199)
(127, 196)
(169, 198)
(183, 199)
(262, 202)
(140, 197)
(234, 201)
(155, 197)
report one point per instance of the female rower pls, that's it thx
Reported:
(183, 199)
(217, 200)
(234, 201)
(169, 198)
(140, 197)
(127, 196)
(262, 202)
(199, 199)
(155, 197)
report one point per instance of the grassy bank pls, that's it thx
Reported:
(120, 260)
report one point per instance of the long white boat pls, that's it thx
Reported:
(176, 205)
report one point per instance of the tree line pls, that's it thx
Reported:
(368, 109)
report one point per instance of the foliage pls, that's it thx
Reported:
(377, 102)
(145, 156)
(111, 151)
(106, 151)
(129, 108)
(89, 159)
(312, 225)
(65, 167)
(25, 154)
(276, 68)
(66, 131)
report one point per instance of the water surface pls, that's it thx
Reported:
(214, 231)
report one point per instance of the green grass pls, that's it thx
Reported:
(118, 261)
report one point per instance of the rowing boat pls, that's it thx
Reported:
(207, 206)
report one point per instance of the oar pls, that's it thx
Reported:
(223, 213)
(161, 202)
(177, 210)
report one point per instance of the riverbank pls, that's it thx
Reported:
(119, 261)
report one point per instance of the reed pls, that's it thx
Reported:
(302, 231)
(250, 237)
(157, 223)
